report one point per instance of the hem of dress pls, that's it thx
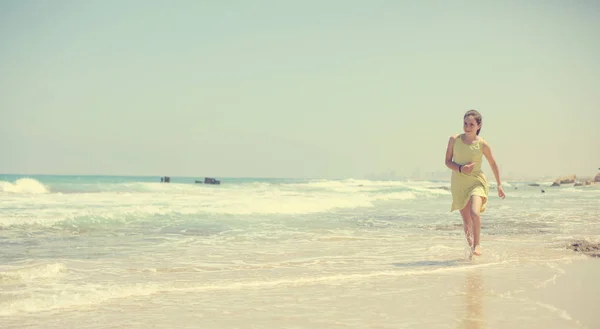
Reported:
(483, 203)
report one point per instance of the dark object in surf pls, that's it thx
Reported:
(209, 180)
(590, 249)
(165, 179)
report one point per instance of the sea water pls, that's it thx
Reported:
(132, 252)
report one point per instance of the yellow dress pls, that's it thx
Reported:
(462, 185)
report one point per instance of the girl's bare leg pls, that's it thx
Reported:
(467, 223)
(474, 208)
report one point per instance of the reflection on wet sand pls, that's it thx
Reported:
(474, 291)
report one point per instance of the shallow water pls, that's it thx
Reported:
(129, 252)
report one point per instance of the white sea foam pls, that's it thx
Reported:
(93, 294)
(396, 196)
(141, 200)
(31, 273)
(133, 201)
(76, 296)
(24, 186)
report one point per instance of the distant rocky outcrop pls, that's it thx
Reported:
(209, 180)
(585, 247)
(572, 179)
(564, 180)
(585, 182)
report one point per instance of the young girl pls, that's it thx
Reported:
(468, 184)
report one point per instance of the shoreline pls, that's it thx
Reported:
(574, 293)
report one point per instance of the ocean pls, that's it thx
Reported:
(132, 252)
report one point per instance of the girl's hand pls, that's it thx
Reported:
(465, 169)
(501, 192)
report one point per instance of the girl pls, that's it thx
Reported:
(468, 184)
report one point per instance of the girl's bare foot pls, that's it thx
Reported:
(477, 251)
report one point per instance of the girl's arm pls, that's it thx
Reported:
(487, 151)
(449, 154)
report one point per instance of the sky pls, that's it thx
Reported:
(298, 89)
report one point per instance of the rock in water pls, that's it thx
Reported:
(585, 247)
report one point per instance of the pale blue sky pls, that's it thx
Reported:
(323, 89)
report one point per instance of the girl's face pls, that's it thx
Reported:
(471, 125)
